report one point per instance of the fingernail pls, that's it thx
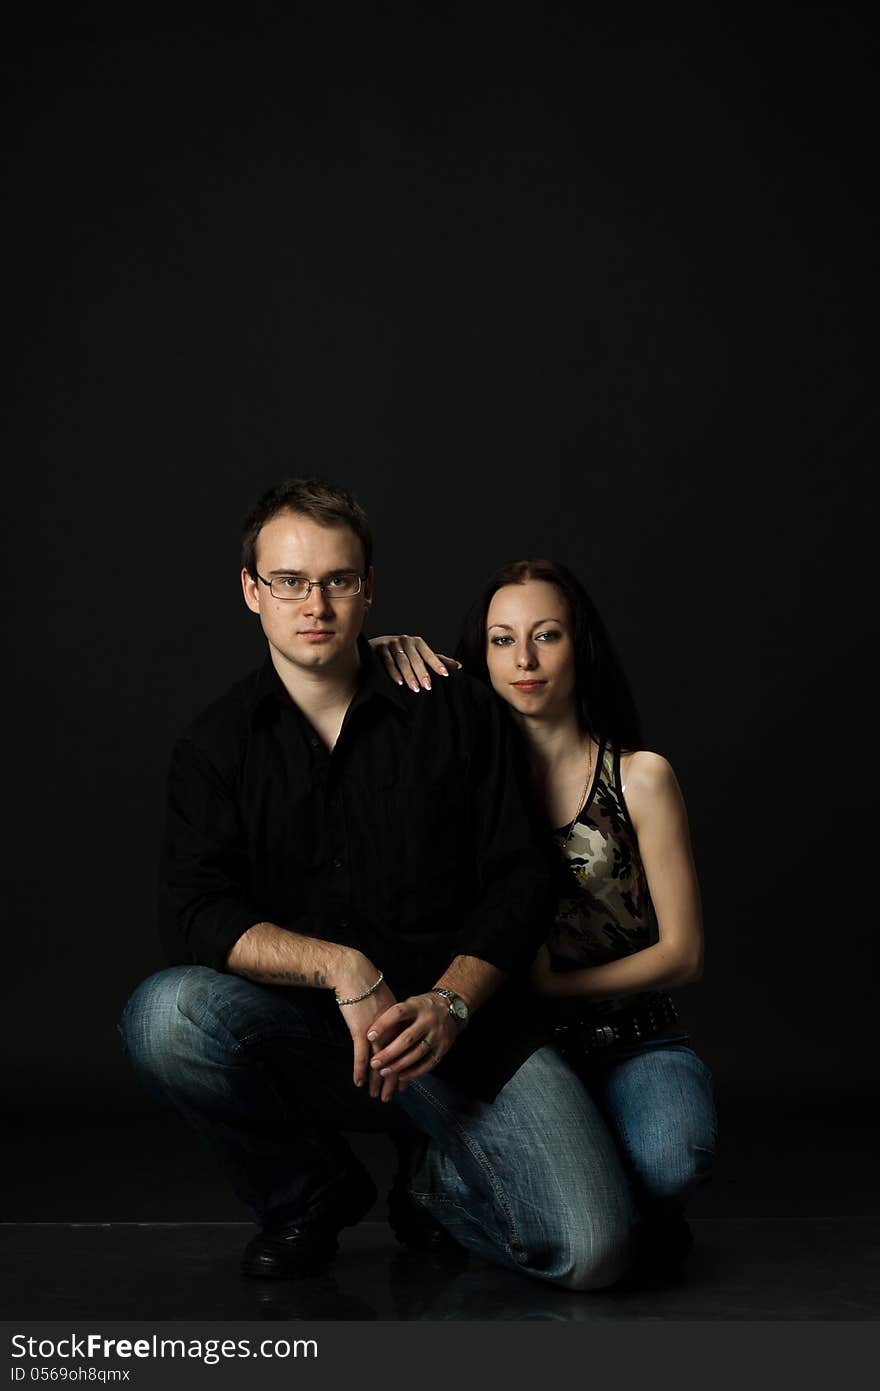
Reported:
(359, 1084)
(427, 683)
(444, 672)
(384, 1071)
(399, 680)
(415, 687)
(371, 1036)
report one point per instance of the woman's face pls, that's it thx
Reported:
(529, 649)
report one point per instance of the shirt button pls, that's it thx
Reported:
(343, 922)
(337, 864)
(314, 743)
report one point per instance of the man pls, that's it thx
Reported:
(350, 887)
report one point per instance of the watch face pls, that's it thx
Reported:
(457, 1006)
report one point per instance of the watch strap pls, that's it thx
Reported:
(458, 1007)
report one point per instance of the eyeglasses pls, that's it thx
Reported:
(343, 585)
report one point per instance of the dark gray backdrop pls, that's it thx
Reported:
(546, 280)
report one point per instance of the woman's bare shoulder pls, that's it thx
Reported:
(647, 772)
(651, 788)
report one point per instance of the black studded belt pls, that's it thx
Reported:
(584, 1037)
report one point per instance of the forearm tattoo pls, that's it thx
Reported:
(281, 977)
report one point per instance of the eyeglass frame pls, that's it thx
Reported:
(313, 584)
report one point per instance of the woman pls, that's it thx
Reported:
(628, 925)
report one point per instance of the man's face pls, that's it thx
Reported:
(318, 633)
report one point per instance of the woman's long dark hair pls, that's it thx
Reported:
(605, 704)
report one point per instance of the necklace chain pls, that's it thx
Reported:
(583, 797)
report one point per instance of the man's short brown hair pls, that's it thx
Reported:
(323, 502)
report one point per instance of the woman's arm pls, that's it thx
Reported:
(406, 657)
(659, 818)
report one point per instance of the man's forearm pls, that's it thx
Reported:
(273, 956)
(473, 979)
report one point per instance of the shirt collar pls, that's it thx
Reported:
(373, 681)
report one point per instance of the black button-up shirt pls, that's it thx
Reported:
(412, 840)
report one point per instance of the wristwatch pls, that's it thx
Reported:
(457, 1007)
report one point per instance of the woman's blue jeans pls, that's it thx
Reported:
(533, 1181)
(658, 1100)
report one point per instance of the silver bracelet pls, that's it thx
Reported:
(355, 999)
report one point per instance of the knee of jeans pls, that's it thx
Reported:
(155, 1031)
(669, 1173)
(588, 1246)
(598, 1258)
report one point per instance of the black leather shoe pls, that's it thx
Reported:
(288, 1250)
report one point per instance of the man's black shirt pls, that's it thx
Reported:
(412, 841)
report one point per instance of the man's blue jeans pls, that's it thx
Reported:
(532, 1181)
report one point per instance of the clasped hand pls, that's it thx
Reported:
(396, 1043)
(393, 1043)
(409, 1039)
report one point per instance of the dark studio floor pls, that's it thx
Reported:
(123, 1217)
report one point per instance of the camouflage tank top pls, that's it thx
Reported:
(605, 909)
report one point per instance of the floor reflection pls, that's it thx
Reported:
(741, 1269)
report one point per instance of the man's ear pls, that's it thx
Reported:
(368, 588)
(251, 590)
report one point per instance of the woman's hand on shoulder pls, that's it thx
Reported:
(408, 658)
